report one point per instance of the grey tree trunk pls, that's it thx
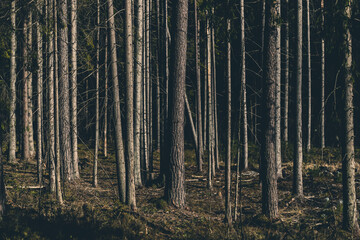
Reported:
(199, 153)
(308, 146)
(228, 217)
(245, 161)
(322, 117)
(129, 52)
(39, 90)
(175, 182)
(2, 185)
(268, 154)
(29, 85)
(286, 75)
(350, 213)
(73, 80)
(298, 151)
(278, 93)
(12, 114)
(119, 147)
(26, 74)
(106, 56)
(158, 104)
(138, 89)
(97, 120)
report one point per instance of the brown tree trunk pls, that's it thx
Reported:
(175, 182)
(322, 118)
(268, 155)
(308, 146)
(2, 185)
(286, 75)
(29, 85)
(26, 74)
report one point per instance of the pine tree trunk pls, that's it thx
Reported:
(30, 87)
(322, 118)
(268, 154)
(130, 186)
(106, 56)
(12, 114)
(228, 217)
(308, 146)
(245, 161)
(158, 104)
(278, 94)
(39, 91)
(199, 153)
(350, 213)
(2, 185)
(175, 182)
(73, 80)
(298, 151)
(138, 89)
(119, 147)
(286, 74)
(193, 130)
(26, 73)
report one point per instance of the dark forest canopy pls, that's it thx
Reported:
(89, 84)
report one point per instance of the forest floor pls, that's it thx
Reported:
(95, 213)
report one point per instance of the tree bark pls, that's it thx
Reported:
(268, 154)
(106, 56)
(26, 74)
(193, 130)
(2, 186)
(12, 114)
(29, 85)
(298, 151)
(350, 213)
(175, 183)
(308, 146)
(286, 74)
(119, 147)
(322, 117)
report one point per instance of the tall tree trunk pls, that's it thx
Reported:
(298, 151)
(26, 74)
(245, 161)
(308, 146)
(29, 85)
(130, 186)
(199, 153)
(286, 74)
(175, 182)
(322, 118)
(119, 147)
(106, 56)
(158, 106)
(39, 90)
(138, 89)
(350, 213)
(228, 217)
(210, 111)
(268, 154)
(2, 185)
(12, 114)
(278, 94)
(51, 114)
(97, 120)
(73, 80)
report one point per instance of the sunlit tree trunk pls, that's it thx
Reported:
(29, 85)
(12, 114)
(119, 147)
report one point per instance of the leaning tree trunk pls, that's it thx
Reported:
(228, 217)
(175, 182)
(308, 146)
(119, 147)
(298, 151)
(268, 154)
(73, 80)
(39, 91)
(322, 117)
(130, 181)
(199, 153)
(138, 89)
(12, 113)
(350, 213)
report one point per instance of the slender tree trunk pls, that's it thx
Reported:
(2, 186)
(245, 161)
(39, 90)
(119, 147)
(205, 130)
(278, 94)
(193, 130)
(322, 124)
(350, 213)
(12, 121)
(106, 93)
(228, 217)
(298, 151)
(97, 120)
(158, 106)
(130, 186)
(73, 80)
(268, 154)
(29, 85)
(175, 183)
(308, 146)
(26, 74)
(286, 74)
(51, 114)
(138, 89)
(199, 153)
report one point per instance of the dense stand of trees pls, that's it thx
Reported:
(164, 59)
